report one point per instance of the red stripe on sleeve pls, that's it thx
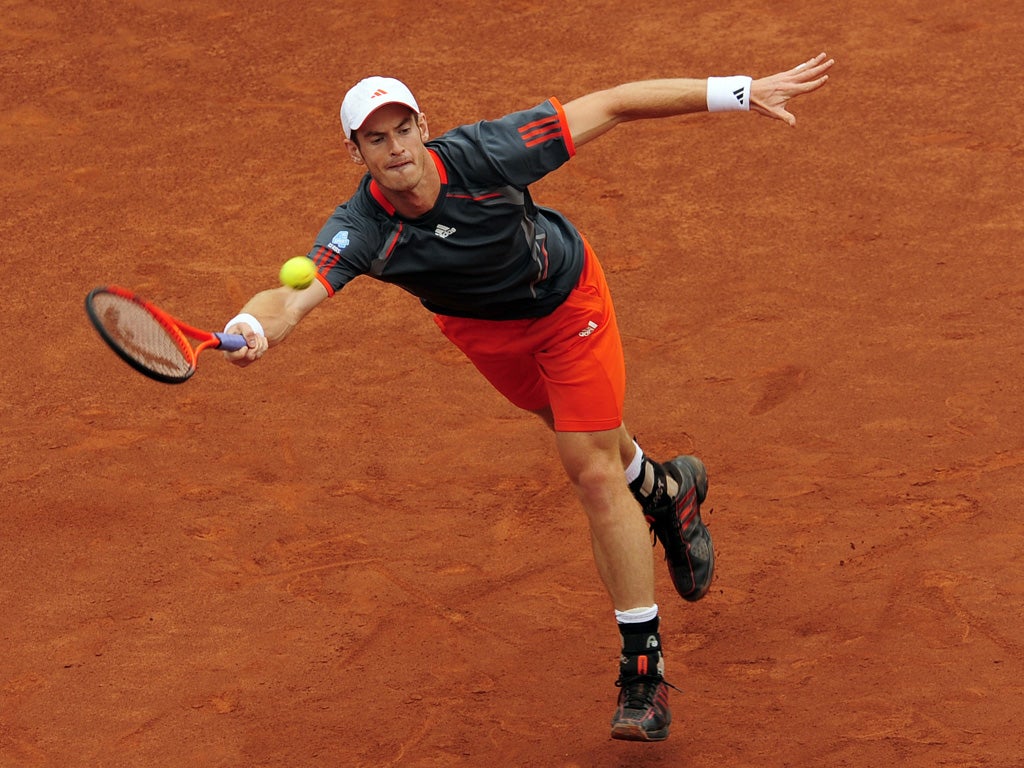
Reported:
(567, 134)
(325, 258)
(544, 124)
(549, 129)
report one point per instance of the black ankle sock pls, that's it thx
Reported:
(643, 628)
(641, 651)
(658, 484)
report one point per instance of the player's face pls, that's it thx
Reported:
(391, 147)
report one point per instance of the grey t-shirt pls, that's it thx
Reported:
(485, 250)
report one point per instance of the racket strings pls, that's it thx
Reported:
(143, 337)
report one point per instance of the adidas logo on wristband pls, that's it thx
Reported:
(728, 94)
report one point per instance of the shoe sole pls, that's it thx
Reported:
(634, 732)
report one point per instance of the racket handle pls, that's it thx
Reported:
(229, 342)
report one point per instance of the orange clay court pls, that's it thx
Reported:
(356, 554)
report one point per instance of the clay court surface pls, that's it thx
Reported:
(355, 554)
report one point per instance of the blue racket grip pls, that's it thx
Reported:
(229, 342)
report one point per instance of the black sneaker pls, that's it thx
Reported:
(642, 713)
(677, 525)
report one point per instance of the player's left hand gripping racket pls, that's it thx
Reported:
(150, 340)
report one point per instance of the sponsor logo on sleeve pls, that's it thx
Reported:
(339, 242)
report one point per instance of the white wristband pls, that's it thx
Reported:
(249, 320)
(726, 94)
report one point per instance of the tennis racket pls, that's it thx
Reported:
(151, 341)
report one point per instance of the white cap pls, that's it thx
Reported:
(369, 95)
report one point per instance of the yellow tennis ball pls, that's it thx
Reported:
(298, 273)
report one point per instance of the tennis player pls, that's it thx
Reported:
(521, 292)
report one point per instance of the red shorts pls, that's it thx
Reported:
(570, 360)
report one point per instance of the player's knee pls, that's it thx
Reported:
(598, 484)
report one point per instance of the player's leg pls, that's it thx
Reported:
(623, 555)
(619, 534)
(584, 370)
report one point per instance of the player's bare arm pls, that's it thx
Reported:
(278, 311)
(597, 113)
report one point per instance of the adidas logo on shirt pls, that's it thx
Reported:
(442, 231)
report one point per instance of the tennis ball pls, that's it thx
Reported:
(298, 273)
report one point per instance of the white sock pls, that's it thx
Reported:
(636, 615)
(633, 470)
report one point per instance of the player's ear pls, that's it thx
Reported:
(421, 121)
(353, 152)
